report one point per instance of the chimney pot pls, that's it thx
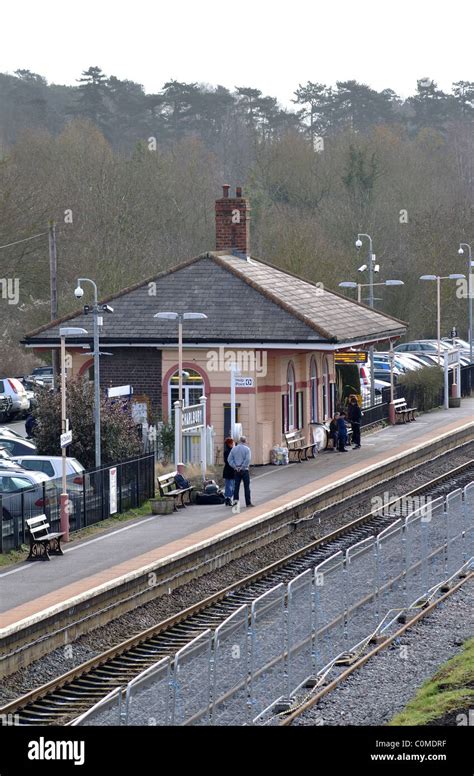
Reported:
(225, 190)
(238, 191)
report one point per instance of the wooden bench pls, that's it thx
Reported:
(296, 444)
(42, 542)
(168, 489)
(402, 411)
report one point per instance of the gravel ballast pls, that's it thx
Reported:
(383, 686)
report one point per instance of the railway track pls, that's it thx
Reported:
(64, 698)
(299, 710)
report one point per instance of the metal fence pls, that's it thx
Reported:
(291, 634)
(89, 499)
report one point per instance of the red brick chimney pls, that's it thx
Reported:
(233, 223)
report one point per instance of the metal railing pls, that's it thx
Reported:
(263, 654)
(89, 499)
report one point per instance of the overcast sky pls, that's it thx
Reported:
(267, 44)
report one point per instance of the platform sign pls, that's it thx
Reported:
(113, 490)
(244, 382)
(66, 439)
(193, 417)
(351, 357)
(120, 390)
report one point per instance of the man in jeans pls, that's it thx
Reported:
(239, 458)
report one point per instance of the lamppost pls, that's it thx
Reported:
(370, 267)
(67, 331)
(180, 317)
(438, 279)
(360, 286)
(79, 293)
(470, 266)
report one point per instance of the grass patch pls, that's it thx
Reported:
(19, 556)
(450, 689)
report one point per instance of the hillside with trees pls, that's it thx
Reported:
(131, 179)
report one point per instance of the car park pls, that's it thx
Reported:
(13, 388)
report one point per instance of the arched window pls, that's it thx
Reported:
(326, 391)
(313, 382)
(290, 378)
(193, 389)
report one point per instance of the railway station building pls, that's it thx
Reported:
(281, 330)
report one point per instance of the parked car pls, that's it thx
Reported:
(6, 405)
(6, 460)
(12, 387)
(17, 445)
(43, 373)
(6, 430)
(51, 466)
(22, 491)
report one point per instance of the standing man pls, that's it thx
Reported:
(239, 458)
(355, 416)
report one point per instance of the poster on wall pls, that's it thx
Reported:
(140, 409)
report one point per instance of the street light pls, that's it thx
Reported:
(370, 267)
(180, 317)
(438, 279)
(470, 266)
(360, 286)
(67, 331)
(79, 293)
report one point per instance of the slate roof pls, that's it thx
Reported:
(245, 301)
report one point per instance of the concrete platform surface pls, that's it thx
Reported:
(30, 588)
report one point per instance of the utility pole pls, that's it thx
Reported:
(53, 280)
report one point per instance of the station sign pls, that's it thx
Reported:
(193, 417)
(66, 439)
(120, 390)
(244, 382)
(351, 357)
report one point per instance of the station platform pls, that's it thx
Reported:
(30, 592)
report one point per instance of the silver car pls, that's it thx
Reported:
(24, 494)
(12, 387)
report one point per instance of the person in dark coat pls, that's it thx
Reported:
(228, 473)
(355, 416)
(342, 432)
(333, 431)
(30, 425)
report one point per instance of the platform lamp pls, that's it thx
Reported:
(438, 279)
(470, 267)
(360, 286)
(67, 331)
(180, 317)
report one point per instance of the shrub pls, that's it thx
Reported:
(119, 438)
(422, 387)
